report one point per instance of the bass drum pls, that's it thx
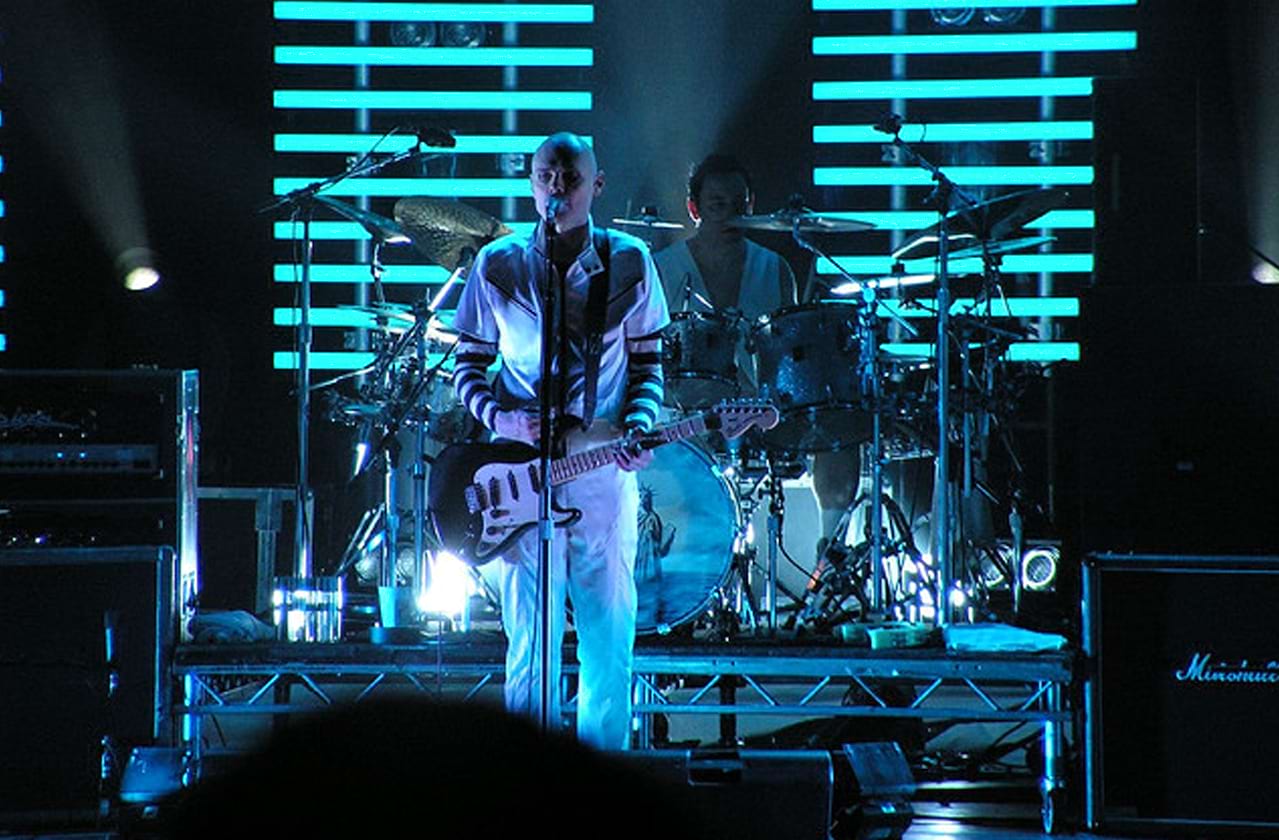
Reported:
(688, 520)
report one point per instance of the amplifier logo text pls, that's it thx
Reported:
(1202, 669)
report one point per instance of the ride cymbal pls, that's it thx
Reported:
(444, 231)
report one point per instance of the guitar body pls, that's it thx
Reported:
(483, 497)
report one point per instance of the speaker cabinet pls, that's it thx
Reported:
(747, 794)
(86, 636)
(1181, 723)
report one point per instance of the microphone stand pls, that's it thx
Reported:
(552, 303)
(303, 200)
(943, 194)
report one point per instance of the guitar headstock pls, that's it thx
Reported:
(736, 417)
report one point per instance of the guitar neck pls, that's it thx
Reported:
(564, 470)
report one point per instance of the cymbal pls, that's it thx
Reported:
(1004, 247)
(990, 221)
(379, 227)
(648, 221)
(447, 232)
(806, 221)
(392, 317)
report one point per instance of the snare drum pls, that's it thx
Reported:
(688, 520)
(806, 364)
(699, 359)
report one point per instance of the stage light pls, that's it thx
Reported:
(464, 34)
(1264, 272)
(1002, 16)
(414, 33)
(1039, 568)
(137, 270)
(450, 586)
(952, 17)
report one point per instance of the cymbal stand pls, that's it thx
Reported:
(942, 198)
(871, 393)
(302, 201)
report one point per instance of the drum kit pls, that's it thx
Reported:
(821, 363)
(824, 366)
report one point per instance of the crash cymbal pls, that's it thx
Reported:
(992, 220)
(392, 317)
(379, 227)
(806, 221)
(447, 232)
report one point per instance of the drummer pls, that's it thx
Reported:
(718, 269)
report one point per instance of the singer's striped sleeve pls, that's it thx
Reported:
(470, 378)
(643, 381)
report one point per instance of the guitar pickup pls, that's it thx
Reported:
(475, 501)
(495, 492)
(535, 478)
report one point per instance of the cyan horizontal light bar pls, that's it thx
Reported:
(354, 273)
(487, 12)
(396, 187)
(1, 208)
(335, 360)
(959, 132)
(915, 219)
(323, 317)
(359, 143)
(437, 100)
(1002, 42)
(328, 231)
(1019, 351)
(894, 5)
(956, 88)
(439, 56)
(877, 266)
(4, 342)
(865, 176)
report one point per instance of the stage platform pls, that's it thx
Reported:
(686, 692)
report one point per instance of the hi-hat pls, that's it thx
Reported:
(645, 220)
(991, 221)
(379, 227)
(804, 221)
(447, 232)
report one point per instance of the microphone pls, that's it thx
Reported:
(889, 123)
(554, 206)
(431, 135)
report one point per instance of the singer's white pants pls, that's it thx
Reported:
(593, 561)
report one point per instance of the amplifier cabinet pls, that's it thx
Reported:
(747, 794)
(102, 458)
(1181, 707)
(86, 645)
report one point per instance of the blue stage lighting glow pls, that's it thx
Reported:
(436, 100)
(905, 5)
(397, 187)
(974, 43)
(956, 88)
(439, 56)
(488, 12)
(959, 132)
(861, 176)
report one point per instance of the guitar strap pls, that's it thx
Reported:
(596, 310)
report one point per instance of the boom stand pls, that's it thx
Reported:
(302, 201)
(942, 196)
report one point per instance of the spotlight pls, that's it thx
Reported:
(994, 565)
(952, 17)
(1264, 272)
(464, 34)
(1039, 567)
(413, 34)
(1002, 16)
(136, 267)
(450, 587)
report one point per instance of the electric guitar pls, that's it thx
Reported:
(484, 496)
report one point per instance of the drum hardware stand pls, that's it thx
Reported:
(303, 201)
(943, 197)
(871, 391)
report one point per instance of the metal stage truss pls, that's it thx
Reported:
(670, 679)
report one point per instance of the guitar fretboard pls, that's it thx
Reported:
(571, 466)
